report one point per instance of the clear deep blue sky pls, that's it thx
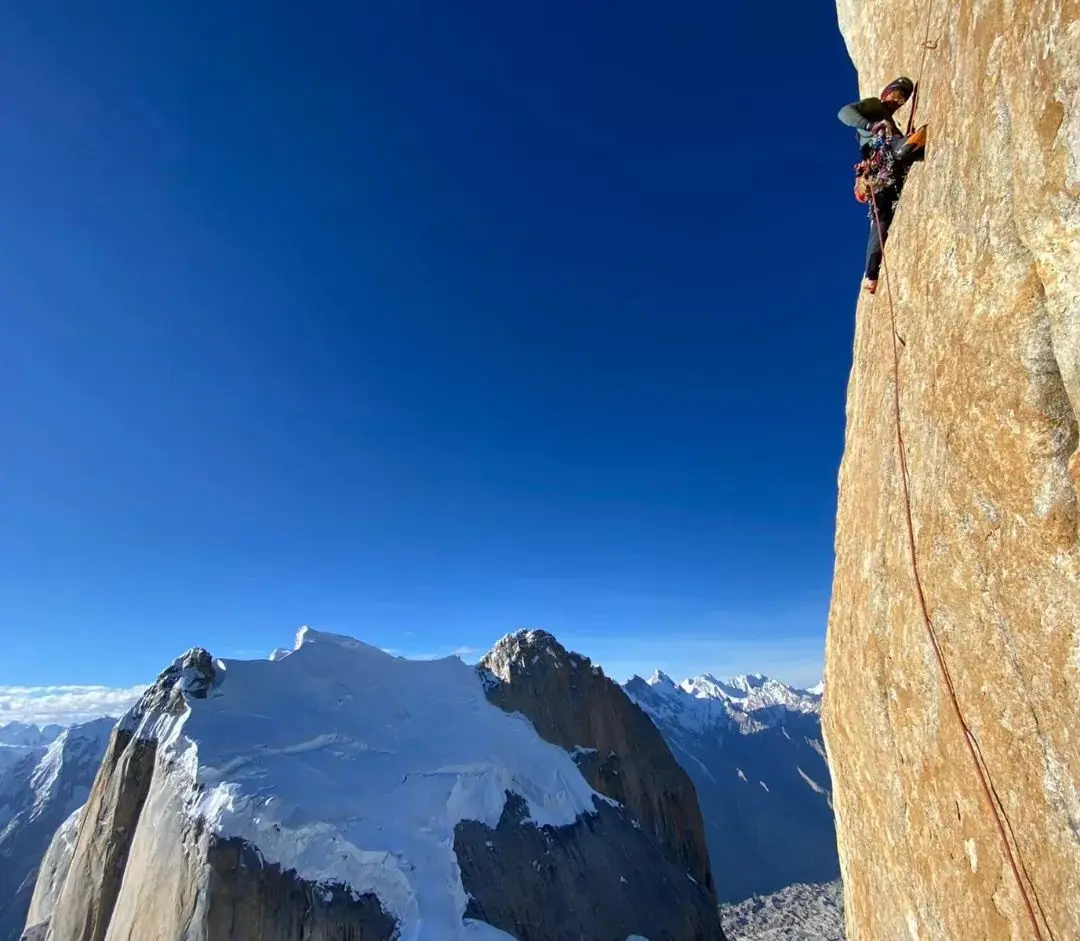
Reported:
(423, 322)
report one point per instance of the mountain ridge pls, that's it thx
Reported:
(39, 791)
(753, 748)
(438, 813)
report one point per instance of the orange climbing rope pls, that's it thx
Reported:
(927, 45)
(1001, 819)
(989, 791)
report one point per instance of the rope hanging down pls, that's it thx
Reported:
(927, 45)
(1001, 819)
(997, 809)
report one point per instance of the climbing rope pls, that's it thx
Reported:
(927, 45)
(1001, 819)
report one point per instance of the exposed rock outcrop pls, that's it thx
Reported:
(984, 260)
(629, 890)
(617, 747)
(315, 797)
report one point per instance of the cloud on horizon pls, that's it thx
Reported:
(64, 705)
(797, 660)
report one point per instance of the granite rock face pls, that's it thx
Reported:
(618, 749)
(984, 270)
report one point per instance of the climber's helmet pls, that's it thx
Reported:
(897, 92)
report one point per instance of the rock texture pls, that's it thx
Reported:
(984, 261)
(619, 750)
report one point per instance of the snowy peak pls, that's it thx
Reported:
(39, 788)
(165, 704)
(27, 735)
(749, 691)
(661, 682)
(752, 746)
(399, 786)
(77, 748)
(744, 703)
(307, 637)
(402, 751)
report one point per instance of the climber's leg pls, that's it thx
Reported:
(886, 204)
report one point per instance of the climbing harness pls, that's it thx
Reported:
(888, 161)
(990, 795)
(877, 172)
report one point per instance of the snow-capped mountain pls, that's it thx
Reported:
(336, 790)
(39, 790)
(24, 735)
(753, 748)
(704, 703)
(19, 739)
(753, 692)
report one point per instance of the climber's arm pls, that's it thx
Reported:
(862, 114)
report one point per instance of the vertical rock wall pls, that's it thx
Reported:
(985, 271)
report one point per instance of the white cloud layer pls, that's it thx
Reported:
(796, 660)
(64, 705)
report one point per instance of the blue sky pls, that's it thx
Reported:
(421, 322)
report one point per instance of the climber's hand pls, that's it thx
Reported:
(884, 128)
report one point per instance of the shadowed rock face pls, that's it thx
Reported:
(984, 265)
(628, 890)
(250, 899)
(619, 750)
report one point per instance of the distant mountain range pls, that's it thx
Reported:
(45, 775)
(22, 735)
(753, 748)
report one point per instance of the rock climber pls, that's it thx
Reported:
(887, 156)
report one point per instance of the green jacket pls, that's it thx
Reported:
(863, 115)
